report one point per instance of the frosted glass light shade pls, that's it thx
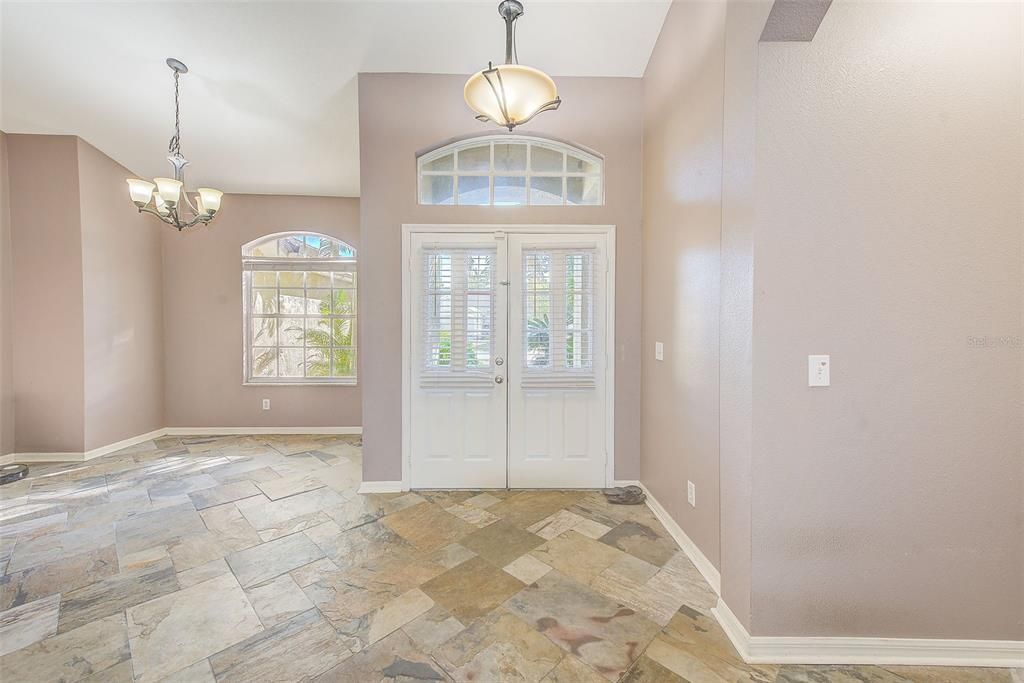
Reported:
(141, 191)
(169, 190)
(210, 200)
(161, 205)
(526, 92)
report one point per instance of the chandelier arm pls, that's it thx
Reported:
(549, 106)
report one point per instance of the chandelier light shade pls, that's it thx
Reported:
(511, 94)
(166, 198)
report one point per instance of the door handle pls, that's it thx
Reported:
(499, 379)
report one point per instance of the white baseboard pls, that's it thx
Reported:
(886, 651)
(243, 431)
(380, 487)
(699, 559)
(71, 456)
(80, 456)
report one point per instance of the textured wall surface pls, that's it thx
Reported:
(48, 344)
(682, 228)
(203, 347)
(6, 309)
(599, 113)
(889, 235)
(122, 304)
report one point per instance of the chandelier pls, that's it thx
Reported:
(511, 94)
(170, 202)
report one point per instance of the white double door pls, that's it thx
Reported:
(507, 369)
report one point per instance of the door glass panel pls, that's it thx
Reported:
(458, 309)
(558, 311)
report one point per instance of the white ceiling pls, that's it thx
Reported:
(269, 104)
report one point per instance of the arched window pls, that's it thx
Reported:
(299, 307)
(503, 170)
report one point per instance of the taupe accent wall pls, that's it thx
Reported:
(890, 213)
(402, 114)
(6, 309)
(871, 209)
(48, 340)
(203, 345)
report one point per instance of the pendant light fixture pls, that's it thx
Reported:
(170, 201)
(511, 94)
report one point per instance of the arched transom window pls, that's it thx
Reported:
(299, 294)
(503, 170)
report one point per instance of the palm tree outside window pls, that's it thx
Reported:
(299, 302)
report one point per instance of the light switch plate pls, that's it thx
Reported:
(818, 368)
(659, 351)
(691, 494)
(266, 404)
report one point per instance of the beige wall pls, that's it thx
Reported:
(48, 344)
(682, 221)
(401, 114)
(6, 309)
(744, 22)
(123, 312)
(202, 284)
(890, 168)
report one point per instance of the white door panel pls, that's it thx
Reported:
(458, 327)
(508, 363)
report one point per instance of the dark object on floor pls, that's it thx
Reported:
(12, 472)
(625, 495)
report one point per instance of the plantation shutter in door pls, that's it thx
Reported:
(559, 344)
(557, 398)
(457, 341)
(458, 315)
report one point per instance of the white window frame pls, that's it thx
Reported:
(291, 263)
(491, 140)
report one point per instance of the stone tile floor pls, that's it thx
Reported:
(254, 559)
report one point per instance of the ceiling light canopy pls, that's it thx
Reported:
(170, 201)
(511, 94)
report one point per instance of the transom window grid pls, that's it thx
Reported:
(458, 311)
(558, 313)
(300, 311)
(503, 171)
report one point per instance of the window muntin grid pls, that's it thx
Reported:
(499, 171)
(300, 292)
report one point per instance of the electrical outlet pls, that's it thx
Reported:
(818, 371)
(266, 404)
(691, 494)
(659, 351)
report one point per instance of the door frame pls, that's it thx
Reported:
(408, 229)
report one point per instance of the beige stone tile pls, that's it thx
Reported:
(529, 507)
(278, 600)
(173, 631)
(648, 543)
(225, 493)
(394, 658)
(499, 646)
(231, 528)
(555, 524)
(633, 568)
(195, 550)
(293, 650)
(203, 572)
(28, 623)
(275, 489)
(577, 556)
(478, 517)
(63, 575)
(260, 563)
(89, 650)
(199, 672)
(527, 568)
(646, 670)
(452, 555)
(56, 546)
(572, 670)
(501, 542)
(591, 529)
(483, 500)
(432, 628)
(427, 526)
(472, 589)
(113, 594)
(397, 613)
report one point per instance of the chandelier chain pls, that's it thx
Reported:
(175, 145)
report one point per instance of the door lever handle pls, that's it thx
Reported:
(499, 379)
